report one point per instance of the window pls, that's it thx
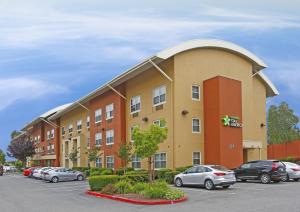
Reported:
(109, 111)
(110, 162)
(98, 162)
(52, 133)
(160, 160)
(48, 148)
(87, 122)
(109, 137)
(79, 125)
(70, 128)
(135, 104)
(159, 123)
(39, 138)
(196, 125)
(98, 139)
(35, 139)
(136, 162)
(195, 92)
(196, 158)
(88, 145)
(63, 131)
(52, 148)
(131, 132)
(98, 116)
(48, 135)
(159, 95)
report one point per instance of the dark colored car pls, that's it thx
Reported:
(263, 170)
(1, 170)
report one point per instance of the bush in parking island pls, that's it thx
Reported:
(97, 183)
(124, 187)
(121, 171)
(107, 172)
(160, 174)
(182, 169)
(109, 189)
(169, 176)
(137, 177)
(81, 169)
(174, 194)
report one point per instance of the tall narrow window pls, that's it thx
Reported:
(159, 123)
(196, 128)
(196, 158)
(195, 92)
(135, 104)
(99, 162)
(160, 160)
(136, 162)
(52, 133)
(109, 111)
(70, 128)
(98, 116)
(88, 122)
(110, 162)
(98, 139)
(48, 135)
(63, 131)
(79, 125)
(109, 137)
(159, 95)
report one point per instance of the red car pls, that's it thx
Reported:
(29, 171)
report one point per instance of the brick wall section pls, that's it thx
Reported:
(278, 151)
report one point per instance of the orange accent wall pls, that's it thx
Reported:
(117, 123)
(279, 151)
(222, 96)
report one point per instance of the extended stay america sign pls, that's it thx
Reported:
(231, 121)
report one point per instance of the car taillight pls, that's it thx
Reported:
(274, 166)
(295, 170)
(219, 174)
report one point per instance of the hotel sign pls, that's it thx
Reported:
(231, 121)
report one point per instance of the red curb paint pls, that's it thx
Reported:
(135, 201)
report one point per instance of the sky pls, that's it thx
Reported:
(53, 52)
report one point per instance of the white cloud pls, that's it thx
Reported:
(24, 89)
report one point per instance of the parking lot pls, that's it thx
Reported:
(22, 194)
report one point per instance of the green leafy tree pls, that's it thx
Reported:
(19, 165)
(14, 134)
(146, 143)
(21, 148)
(92, 154)
(282, 124)
(73, 155)
(125, 153)
(2, 157)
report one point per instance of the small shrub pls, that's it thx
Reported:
(182, 169)
(139, 171)
(97, 183)
(121, 171)
(107, 172)
(124, 187)
(160, 184)
(81, 169)
(109, 189)
(95, 172)
(173, 194)
(160, 174)
(155, 192)
(87, 173)
(137, 177)
(138, 188)
(169, 176)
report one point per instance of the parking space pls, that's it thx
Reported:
(18, 193)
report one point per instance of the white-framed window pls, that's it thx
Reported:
(109, 111)
(88, 122)
(160, 160)
(131, 132)
(98, 115)
(48, 135)
(135, 104)
(159, 95)
(88, 145)
(70, 128)
(79, 125)
(196, 158)
(52, 148)
(35, 139)
(98, 162)
(39, 138)
(98, 139)
(196, 92)
(159, 123)
(196, 125)
(52, 133)
(136, 162)
(63, 131)
(110, 162)
(109, 137)
(48, 148)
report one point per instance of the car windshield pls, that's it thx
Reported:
(221, 168)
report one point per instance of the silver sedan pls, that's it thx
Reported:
(208, 176)
(62, 174)
(293, 171)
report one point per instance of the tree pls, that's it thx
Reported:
(14, 134)
(282, 124)
(93, 154)
(146, 143)
(125, 153)
(21, 148)
(2, 157)
(73, 155)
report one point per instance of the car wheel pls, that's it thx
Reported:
(296, 179)
(178, 182)
(226, 186)
(54, 180)
(80, 178)
(265, 178)
(209, 185)
(286, 178)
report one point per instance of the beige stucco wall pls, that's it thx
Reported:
(65, 120)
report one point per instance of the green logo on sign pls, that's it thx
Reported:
(226, 121)
(231, 121)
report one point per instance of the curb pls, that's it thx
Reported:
(135, 201)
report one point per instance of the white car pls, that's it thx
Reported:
(293, 171)
(38, 173)
(9, 169)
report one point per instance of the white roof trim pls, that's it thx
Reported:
(54, 110)
(211, 43)
(268, 82)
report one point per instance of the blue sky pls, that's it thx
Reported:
(55, 51)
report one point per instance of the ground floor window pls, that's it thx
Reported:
(160, 160)
(136, 162)
(99, 162)
(196, 158)
(110, 162)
